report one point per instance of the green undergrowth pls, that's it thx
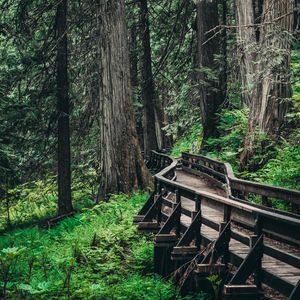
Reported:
(97, 254)
(37, 200)
(191, 138)
(279, 163)
(229, 145)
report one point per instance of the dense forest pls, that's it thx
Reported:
(89, 88)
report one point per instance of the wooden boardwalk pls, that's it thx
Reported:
(270, 264)
(280, 260)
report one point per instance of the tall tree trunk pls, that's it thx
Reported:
(121, 166)
(247, 48)
(210, 71)
(150, 115)
(271, 70)
(224, 50)
(134, 55)
(64, 153)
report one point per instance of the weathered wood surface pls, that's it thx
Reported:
(201, 207)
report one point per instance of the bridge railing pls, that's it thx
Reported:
(239, 189)
(158, 161)
(256, 219)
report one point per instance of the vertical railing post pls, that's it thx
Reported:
(258, 228)
(159, 206)
(227, 213)
(198, 230)
(258, 231)
(158, 186)
(178, 202)
(225, 258)
(258, 269)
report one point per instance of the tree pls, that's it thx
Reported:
(266, 68)
(210, 73)
(151, 124)
(121, 167)
(64, 152)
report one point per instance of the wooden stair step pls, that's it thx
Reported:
(242, 292)
(170, 237)
(204, 269)
(137, 219)
(148, 227)
(184, 249)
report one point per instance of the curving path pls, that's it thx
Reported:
(276, 270)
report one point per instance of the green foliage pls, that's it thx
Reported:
(94, 255)
(185, 143)
(284, 168)
(37, 200)
(295, 65)
(232, 127)
(179, 112)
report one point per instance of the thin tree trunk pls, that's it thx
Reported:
(150, 115)
(121, 167)
(210, 72)
(64, 153)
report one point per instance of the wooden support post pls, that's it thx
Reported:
(177, 196)
(163, 246)
(164, 162)
(159, 208)
(227, 213)
(150, 160)
(184, 250)
(220, 245)
(295, 295)
(199, 211)
(155, 161)
(258, 229)
(221, 227)
(197, 203)
(178, 202)
(158, 166)
(258, 269)
(251, 263)
(158, 187)
(225, 258)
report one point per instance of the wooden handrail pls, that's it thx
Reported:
(289, 224)
(259, 220)
(245, 186)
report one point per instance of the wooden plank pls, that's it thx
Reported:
(282, 256)
(210, 268)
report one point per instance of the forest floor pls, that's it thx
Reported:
(96, 254)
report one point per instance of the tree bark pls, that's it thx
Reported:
(210, 73)
(150, 115)
(134, 55)
(121, 167)
(64, 152)
(270, 72)
(247, 48)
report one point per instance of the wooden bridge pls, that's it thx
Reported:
(205, 222)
